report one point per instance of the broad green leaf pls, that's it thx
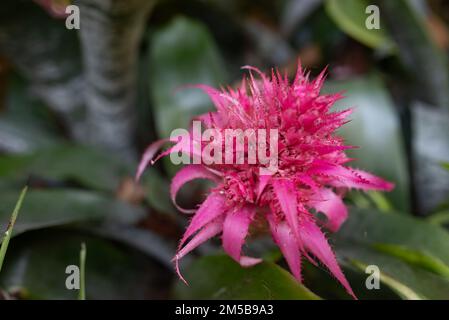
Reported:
(26, 124)
(323, 283)
(25, 108)
(375, 129)
(219, 277)
(367, 226)
(37, 262)
(418, 52)
(19, 137)
(439, 218)
(182, 53)
(47, 208)
(420, 259)
(350, 16)
(412, 252)
(402, 290)
(66, 163)
(423, 283)
(380, 200)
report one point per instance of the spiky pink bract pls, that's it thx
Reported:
(312, 174)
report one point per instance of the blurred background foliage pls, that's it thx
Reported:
(77, 107)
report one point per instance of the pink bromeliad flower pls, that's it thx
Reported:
(311, 174)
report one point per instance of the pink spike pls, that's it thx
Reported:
(249, 261)
(299, 73)
(148, 155)
(318, 82)
(210, 230)
(327, 202)
(235, 229)
(263, 182)
(210, 209)
(285, 239)
(209, 119)
(350, 178)
(186, 174)
(216, 98)
(376, 182)
(260, 73)
(287, 197)
(308, 181)
(316, 243)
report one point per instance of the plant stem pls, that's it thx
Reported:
(8, 232)
(82, 291)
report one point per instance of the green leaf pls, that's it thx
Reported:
(23, 106)
(219, 277)
(26, 124)
(350, 16)
(414, 257)
(412, 252)
(367, 226)
(380, 200)
(402, 290)
(79, 164)
(323, 283)
(19, 137)
(9, 229)
(419, 53)
(37, 262)
(439, 218)
(47, 208)
(182, 53)
(375, 129)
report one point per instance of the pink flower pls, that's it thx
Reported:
(311, 175)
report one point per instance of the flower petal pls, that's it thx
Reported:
(209, 119)
(209, 231)
(350, 178)
(316, 243)
(263, 182)
(286, 195)
(209, 210)
(249, 261)
(186, 174)
(375, 181)
(288, 244)
(235, 229)
(332, 206)
(217, 99)
(148, 155)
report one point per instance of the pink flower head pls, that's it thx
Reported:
(311, 174)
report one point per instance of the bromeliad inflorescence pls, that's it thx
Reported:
(310, 176)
